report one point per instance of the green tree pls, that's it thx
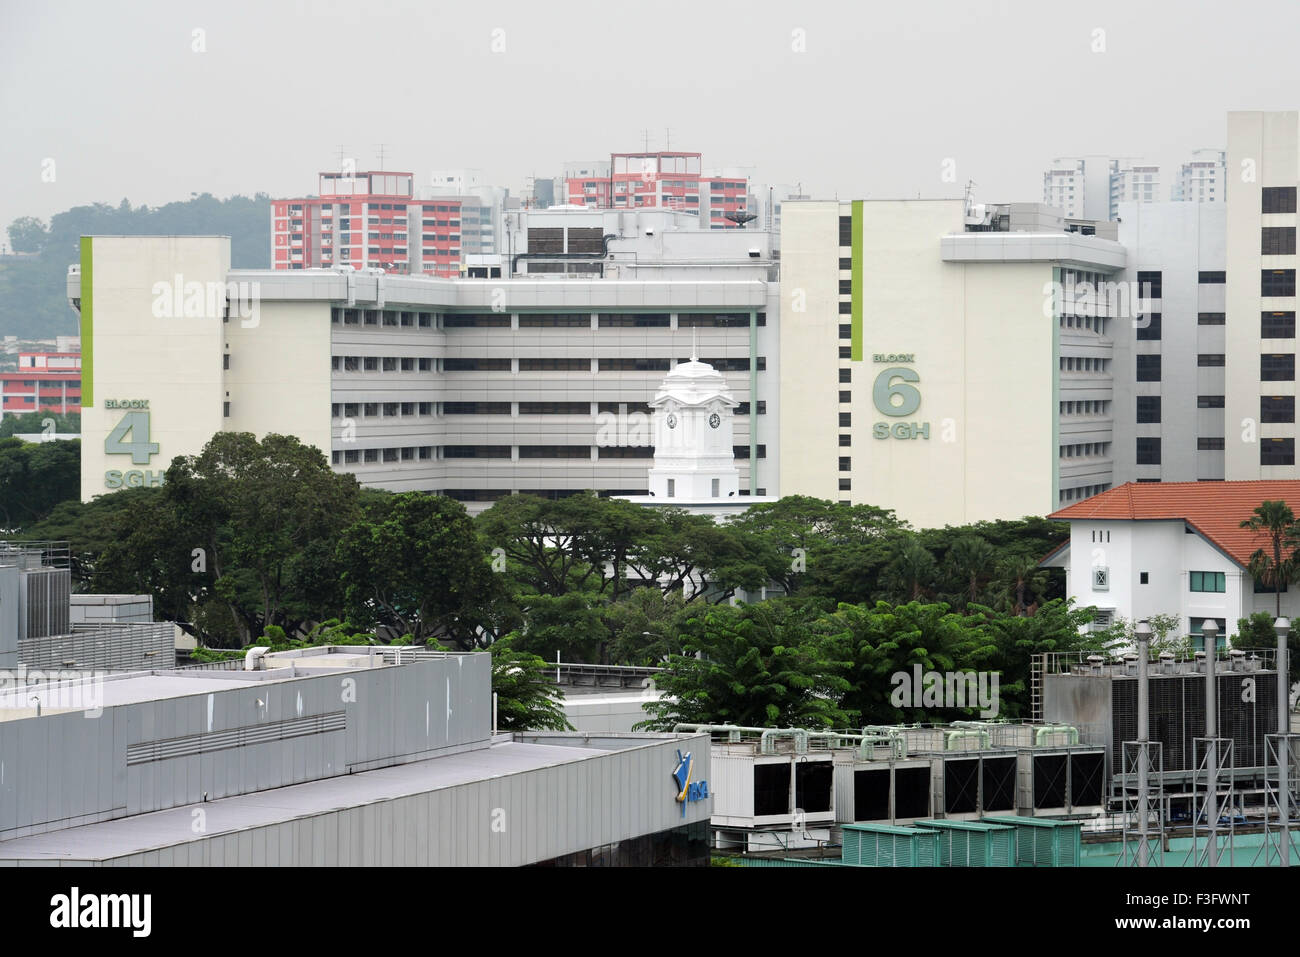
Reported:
(911, 572)
(969, 565)
(27, 234)
(1019, 584)
(34, 478)
(645, 626)
(528, 699)
(1268, 565)
(421, 569)
(754, 666)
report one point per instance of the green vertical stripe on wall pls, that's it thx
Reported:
(87, 323)
(857, 281)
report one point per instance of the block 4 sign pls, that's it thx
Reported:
(131, 437)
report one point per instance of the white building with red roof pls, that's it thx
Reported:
(1148, 548)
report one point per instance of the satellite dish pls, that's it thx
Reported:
(740, 219)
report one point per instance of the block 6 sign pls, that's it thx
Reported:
(895, 394)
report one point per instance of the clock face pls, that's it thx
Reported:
(715, 420)
(672, 421)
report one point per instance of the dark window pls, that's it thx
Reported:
(1277, 451)
(1148, 408)
(626, 452)
(846, 395)
(470, 408)
(846, 287)
(555, 365)
(475, 365)
(632, 365)
(721, 320)
(846, 420)
(1209, 402)
(1277, 325)
(846, 263)
(635, 320)
(846, 331)
(1277, 241)
(1148, 327)
(554, 408)
(1277, 408)
(554, 452)
(1209, 445)
(1148, 368)
(1210, 359)
(1277, 282)
(846, 225)
(846, 441)
(225, 360)
(620, 408)
(846, 463)
(1149, 285)
(1208, 581)
(1277, 199)
(846, 352)
(1277, 367)
(1148, 451)
(846, 485)
(1212, 278)
(846, 309)
(1143, 578)
(493, 321)
(846, 375)
(476, 451)
(1263, 587)
(573, 320)
(225, 409)
(1209, 319)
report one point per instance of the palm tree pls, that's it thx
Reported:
(969, 560)
(1278, 523)
(911, 571)
(1021, 582)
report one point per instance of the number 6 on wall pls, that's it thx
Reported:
(887, 386)
(139, 448)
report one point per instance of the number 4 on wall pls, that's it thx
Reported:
(136, 424)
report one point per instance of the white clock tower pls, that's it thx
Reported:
(693, 436)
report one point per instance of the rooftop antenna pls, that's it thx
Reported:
(668, 138)
(382, 151)
(342, 154)
(645, 141)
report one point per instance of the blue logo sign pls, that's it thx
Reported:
(688, 790)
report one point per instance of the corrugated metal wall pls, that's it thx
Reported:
(548, 812)
(103, 647)
(65, 769)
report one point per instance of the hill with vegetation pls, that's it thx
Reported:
(33, 283)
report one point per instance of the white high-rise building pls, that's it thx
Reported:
(1132, 182)
(1203, 178)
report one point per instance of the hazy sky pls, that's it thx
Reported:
(854, 99)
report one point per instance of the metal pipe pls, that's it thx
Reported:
(1283, 628)
(1143, 635)
(1210, 632)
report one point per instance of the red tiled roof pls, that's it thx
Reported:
(1215, 509)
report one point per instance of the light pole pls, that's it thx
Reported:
(1210, 631)
(1143, 635)
(1283, 628)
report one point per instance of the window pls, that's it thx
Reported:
(425, 365)
(846, 375)
(846, 485)
(1209, 319)
(1148, 368)
(351, 457)
(575, 320)
(408, 408)
(494, 321)
(1148, 451)
(1277, 367)
(846, 263)
(476, 365)
(672, 488)
(1149, 285)
(1212, 278)
(846, 441)
(846, 287)
(370, 408)
(555, 452)
(1266, 588)
(1209, 402)
(1208, 581)
(625, 365)
(1148, 408)
(1277, 325)
(846, 463)
(1277, 282)
(846, 352)
(426, 408)
(846, 331)
(476, 451)
(554, 408)
(1277, 408)
(846, 225)
(1143, 578)
(1198, 639)
(370, 455)
(391, 408)
(1277, 241)
(1277, 451)
(225, 409)
(1148, 327)
(1277, 199)
(370, 364)
(1210, 360)
(846, 420)
(645, 320)
(225, 360)
(846, 308)
(1209, 445)
(846, 396)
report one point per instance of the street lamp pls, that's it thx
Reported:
(1283, 628)
(1143, 635)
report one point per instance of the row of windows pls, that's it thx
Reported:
(1082, 492)
(1083, 364)
(1272, 408)
(1084, 449)
(426, 452)
(543, 364)
(1086, 407)
(385, 364)
(382, 317)
(650, 320)
(1271, 451)
(1095, 324)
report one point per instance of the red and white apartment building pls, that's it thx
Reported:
(367, 219)
(44, 382)
(662, 179)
